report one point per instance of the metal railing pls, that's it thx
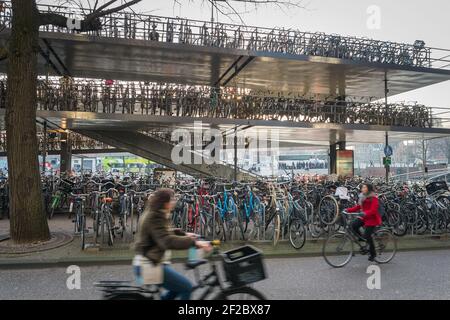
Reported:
(166, 137)
(431, 175)
(53, 142)
(130, 25)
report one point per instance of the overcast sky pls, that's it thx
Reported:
(400, 20)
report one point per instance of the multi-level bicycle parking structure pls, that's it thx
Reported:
(160, 73)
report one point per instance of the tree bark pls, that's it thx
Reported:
(28, 220)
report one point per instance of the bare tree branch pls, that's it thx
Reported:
(95, 5)
(229, 9)
(286, 3)
(236, 13)
(107, 4)
(91, 22)
(101, 13)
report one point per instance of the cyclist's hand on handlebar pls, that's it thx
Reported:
(192, 235)
(205, 245)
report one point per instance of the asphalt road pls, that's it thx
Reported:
(411, 275)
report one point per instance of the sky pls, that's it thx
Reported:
(400, 21)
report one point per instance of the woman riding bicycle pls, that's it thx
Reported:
(155, 239)
(368, 204)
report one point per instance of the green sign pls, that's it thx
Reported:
(387, 161)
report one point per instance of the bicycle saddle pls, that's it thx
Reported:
(194, 264)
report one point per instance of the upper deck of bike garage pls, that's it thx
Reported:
(251, 57)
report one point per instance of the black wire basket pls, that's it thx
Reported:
(243, 265)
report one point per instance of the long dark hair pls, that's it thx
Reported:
(160, 198)
(369, 186)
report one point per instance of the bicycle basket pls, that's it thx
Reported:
(435, 186)
(243, 265)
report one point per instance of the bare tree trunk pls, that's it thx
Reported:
(28, 220)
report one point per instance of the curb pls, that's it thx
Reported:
(58, 239)
(126, 260)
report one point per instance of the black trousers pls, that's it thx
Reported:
(368, 231)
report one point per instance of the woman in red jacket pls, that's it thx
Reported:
(368, 204)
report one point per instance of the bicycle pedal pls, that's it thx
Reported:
(364, 252)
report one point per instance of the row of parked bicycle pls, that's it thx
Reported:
(266, 210)
(53, 140)
(296, 211)
(70, 94)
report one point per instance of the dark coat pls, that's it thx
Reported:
(154, 236)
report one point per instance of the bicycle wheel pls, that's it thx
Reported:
(409, 212)
(385, 245)
(82, 232)
(54, 204)
(315, 226)
(95, 226)
(219, 229)
(52, 212)
(276, 229)
(422, 222)
(111, 235)
(107, 230)
(177, 218)
(338, 249)
(126, 296)
(400, 229)
(246, 223)
(297, 233)
(102, 225)
(76, 220)
(242, 224)
(233, 228)
(228, 228)
(123, 223)
(328, 210)
(254, 227)
(242, 293)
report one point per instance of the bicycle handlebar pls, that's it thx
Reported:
(125, 185)
(141, 193)
(352, 213)
(107, 191)
(79, 195)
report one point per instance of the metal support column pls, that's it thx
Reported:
(386, 91)
(333, 158)
(424, 158)
(66, 153)
(341, 145)
(235, 154)
(44, 148)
